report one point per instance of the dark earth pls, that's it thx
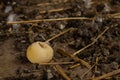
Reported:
(15, 38)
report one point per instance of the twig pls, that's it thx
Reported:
(61, 72)
(107, 75)
(96, 63)
(97, 59)
(49, 20)
(54, 10)
(43, 4)
(56, 63)
(65, 31)
(77, 52)
(46, 4)
(75, 58)
(76, 65)
(113, 15)
(87, 71)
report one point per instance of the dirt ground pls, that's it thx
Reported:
(98, 29)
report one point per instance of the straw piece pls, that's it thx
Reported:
(49, 20)
(75, 58)
(74, 66)
(48, 3)
(97, 59)
(87, 71)
(113, 15)
(107, 75)
(61, 72)
(61, 33)
(78, 52)
(54, 10)
(56, 63)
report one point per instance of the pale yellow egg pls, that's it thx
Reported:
(39, 52)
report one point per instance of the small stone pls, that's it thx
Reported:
(49, 74)
(62, 26)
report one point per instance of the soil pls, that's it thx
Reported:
(15, 38)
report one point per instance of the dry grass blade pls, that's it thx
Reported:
(65, 31)
(49, 20)
(61, 72)
(75, 58)
(77, 52)
(107, 75)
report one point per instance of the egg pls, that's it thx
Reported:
(39, 52)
